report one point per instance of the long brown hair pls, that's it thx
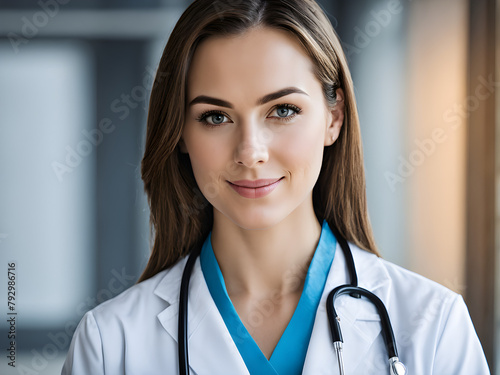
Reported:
(181, 217)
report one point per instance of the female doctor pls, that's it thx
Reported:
(253, 163)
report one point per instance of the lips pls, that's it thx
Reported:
(255, 183)
(256, 188)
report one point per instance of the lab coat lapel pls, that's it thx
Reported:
(359, 321)
(211, 348)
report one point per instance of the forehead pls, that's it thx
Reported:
(257, 62)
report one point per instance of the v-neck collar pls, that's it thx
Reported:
(290, 352)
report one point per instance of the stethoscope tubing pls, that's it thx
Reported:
(351, 289)
(333, 318)
(183, 314)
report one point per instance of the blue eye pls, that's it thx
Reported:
(217, 117)
(283, 111)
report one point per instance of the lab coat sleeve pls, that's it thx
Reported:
(85, 352)
(459, 351)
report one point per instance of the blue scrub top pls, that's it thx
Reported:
(289, 354)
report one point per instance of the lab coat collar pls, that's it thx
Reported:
(360, 322)
(205, 325)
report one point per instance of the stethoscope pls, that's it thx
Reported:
(396, 367)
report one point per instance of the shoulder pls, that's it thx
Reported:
(141, 301)
(419, 305)
(403, 281)
(416, 302)
(428, 318)
(122, 325)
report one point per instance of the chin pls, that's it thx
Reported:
(257, 220)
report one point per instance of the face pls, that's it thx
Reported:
(256, 126)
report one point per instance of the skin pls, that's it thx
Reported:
(264, 245)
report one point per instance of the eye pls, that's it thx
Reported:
(286, 112)
(217, 118)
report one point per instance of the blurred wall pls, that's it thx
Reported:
(408, 60)
(436, 144)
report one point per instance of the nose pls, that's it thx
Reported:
(252, 149)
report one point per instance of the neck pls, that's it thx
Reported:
(273, 260)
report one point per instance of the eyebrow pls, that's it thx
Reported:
(266, 98)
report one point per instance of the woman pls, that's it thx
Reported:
(253, 159)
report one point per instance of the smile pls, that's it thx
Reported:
(255, 189)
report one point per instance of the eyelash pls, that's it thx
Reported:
(202, 118)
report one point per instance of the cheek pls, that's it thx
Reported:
(208, 155)
(302, 149)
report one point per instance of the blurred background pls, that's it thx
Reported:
(75, 78)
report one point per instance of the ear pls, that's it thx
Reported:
(335, 119)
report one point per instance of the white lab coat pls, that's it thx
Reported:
(135, 333)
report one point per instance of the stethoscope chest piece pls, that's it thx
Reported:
(397, 367)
